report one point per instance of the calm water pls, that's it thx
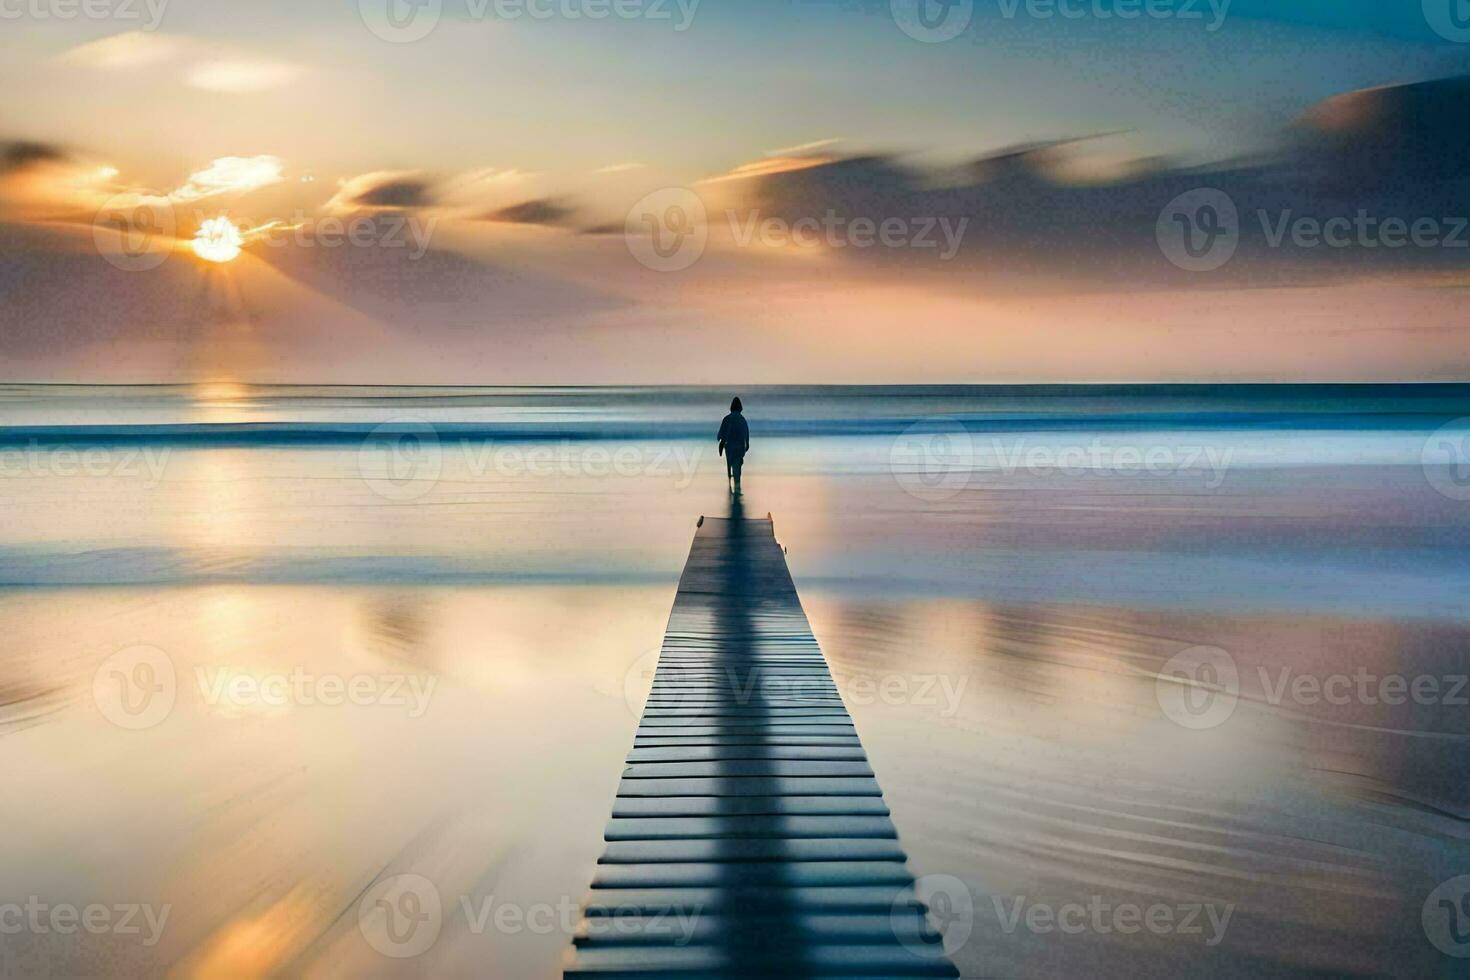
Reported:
(257, 654)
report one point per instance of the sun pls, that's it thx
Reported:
(218, 240)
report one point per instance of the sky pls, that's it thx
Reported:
(656, 191)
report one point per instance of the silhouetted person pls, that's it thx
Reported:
(734, 441)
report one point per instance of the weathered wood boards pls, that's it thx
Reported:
(749, 837)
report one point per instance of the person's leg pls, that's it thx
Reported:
(735, 463)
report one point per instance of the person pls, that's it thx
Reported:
(734, 442)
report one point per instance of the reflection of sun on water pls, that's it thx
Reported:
(221, 401)
(218, 240)
(220, 392)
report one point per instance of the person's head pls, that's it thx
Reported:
(735, 405)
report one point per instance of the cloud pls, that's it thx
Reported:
(240, 76)
(1400, 153)
(1416, 132)
(469, 194)
(237, 175)
(771, 165)
(382, 190)
(540, 211)
(203, 65)
(133, 49)
(22, 154)
(43, 181)
(803, 149)
(620, 168)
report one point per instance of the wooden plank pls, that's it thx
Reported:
(749, 836)
(742, 849)
(618, 963)
(845, 900)
(723, 768)
(713, 806)
(760, 750)
(762, 825)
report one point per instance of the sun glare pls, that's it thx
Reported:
(218, 240)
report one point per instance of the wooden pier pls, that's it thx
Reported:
(749, 837)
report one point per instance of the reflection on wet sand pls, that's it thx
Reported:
(260, 824)
(1060, 779)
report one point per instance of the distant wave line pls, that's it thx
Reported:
(350, 433)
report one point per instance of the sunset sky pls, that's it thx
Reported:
(489, 168)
